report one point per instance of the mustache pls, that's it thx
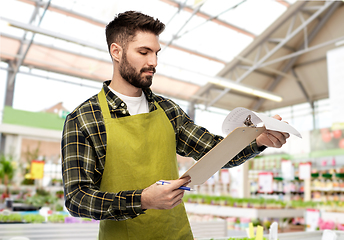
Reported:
(149, 69)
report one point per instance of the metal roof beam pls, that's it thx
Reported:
(67, 12)
(257, 71)
(258, 63)
(102, 24)
(284, 3)
(286, 39)
(292, 61)
(16, 63)
(175, 36)
(278, 40)
(35, 29)
(57, 48)
(300, 52)
(303, 89)
(23, 55)
(215, 20)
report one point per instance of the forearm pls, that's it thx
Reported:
(83, 197)
(82, 173)
(99, 205)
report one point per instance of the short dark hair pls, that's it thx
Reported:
(123, 28)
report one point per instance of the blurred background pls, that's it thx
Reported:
(271, 56)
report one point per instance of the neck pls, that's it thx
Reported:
(122, 86)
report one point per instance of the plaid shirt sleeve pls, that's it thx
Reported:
(82, 168)
(195, 141)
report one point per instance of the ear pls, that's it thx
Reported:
(116, 52)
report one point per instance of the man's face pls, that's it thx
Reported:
(139, 60)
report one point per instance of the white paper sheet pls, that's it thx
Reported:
(237, 117)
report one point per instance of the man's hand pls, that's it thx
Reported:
(271, 138)
(163, 196)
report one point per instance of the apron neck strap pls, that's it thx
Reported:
(103, 104)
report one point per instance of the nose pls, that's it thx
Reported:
(153, 60)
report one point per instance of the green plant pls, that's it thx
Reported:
(60, 194)
(7, 168)
(56, 218)
(58, 207)
(27, 181)
(42, 198)
(33, 218)
(25, 168)
(13, 217)
(246, 238)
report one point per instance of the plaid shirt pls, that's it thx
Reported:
(84, 151)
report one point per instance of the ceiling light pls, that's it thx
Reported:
(200, 79)
(246, 89)
(3, 23)
(339, 42)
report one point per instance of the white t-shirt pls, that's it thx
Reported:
(135, 105)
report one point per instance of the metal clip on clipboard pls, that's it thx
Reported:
(248, 122)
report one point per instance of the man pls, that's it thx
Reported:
(119, 143)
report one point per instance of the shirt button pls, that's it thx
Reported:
(122, 104)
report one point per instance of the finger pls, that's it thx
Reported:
(274, 140)
(176, 203)
(180, 182)
(278, 134)
(282, 136)
(187, 179)
(278, 117)
(179, 195)
(176, 196)
(187, 183)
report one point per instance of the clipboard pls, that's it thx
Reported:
(222, 153)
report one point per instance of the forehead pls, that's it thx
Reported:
(146, 40)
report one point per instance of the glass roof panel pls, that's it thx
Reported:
(17, 11)
(254, 16)
(73, 27)
(215, 40)
(195, 33)
(21, 11)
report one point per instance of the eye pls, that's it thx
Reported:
(143, 53)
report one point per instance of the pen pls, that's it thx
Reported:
(182, 187)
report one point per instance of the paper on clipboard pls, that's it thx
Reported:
(238, 137)
(224, 151)
(236, 118)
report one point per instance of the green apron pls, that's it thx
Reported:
(141, 150)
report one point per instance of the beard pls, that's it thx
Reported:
(129, 73)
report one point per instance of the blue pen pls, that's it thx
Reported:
(182, 187)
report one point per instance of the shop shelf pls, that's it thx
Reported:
(223, 211)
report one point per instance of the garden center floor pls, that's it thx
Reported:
(89, 231)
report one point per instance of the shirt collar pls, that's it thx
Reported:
(116, 102)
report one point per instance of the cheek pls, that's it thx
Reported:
(136, 63)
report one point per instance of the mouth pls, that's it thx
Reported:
(149, 73)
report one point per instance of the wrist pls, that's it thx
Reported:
(144, 202)
(260, 147)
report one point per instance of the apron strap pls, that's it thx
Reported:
(103, 104)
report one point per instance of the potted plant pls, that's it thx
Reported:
(59, 194)
(6, 170)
